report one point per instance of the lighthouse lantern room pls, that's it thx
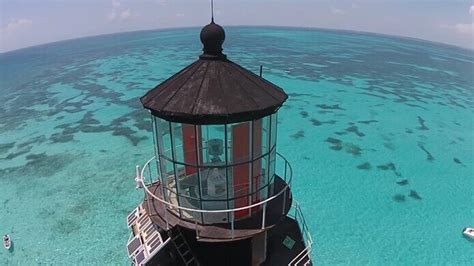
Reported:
(216, 192)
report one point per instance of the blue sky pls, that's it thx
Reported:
(25, 23)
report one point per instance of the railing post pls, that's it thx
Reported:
(296, 212)
(196, 228)
(166, 219)
(137, 171)
(149, 173)
(284, 202)
(264, 214)
(232, 224)
(138, 177)
(296, 219)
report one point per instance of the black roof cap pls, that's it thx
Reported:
(212, 38)
(213, 89)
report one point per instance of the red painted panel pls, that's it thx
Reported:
(240, 152)
(189, 147)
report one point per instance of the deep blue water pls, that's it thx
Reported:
(379, 131)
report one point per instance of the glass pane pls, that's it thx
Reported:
(271, 171)
(263, 179)
(214, 193)
(256, 179)
(188, 190)
(274, 130)
(167, 174)
(163, 137)
(230, 188)
(265, 133)
(213, 140)
(177, 133)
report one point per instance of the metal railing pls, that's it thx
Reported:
(304, 257)
(287, 176)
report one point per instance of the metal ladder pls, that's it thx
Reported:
(183, 248)
(301, 259)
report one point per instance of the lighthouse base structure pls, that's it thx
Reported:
(274, 232)
(283, 244)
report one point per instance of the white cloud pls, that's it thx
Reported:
(118, 13)
(17, 25)
(112, 15)
(340, 11)
(337, 11)
(125, 14)
(115, 4)
(464, 28)
(162, 2)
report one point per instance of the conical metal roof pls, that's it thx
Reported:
(214, 90)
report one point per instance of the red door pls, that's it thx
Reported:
(241, 173)
(189, 147)
(240, 152)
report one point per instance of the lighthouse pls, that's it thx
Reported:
(216, 192)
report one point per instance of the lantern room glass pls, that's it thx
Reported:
(216, 167)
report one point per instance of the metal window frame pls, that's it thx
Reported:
(173, 151)
(198, 168)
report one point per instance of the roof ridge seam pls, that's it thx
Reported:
(242, 87)
(200, 87)
(221, 87)
(239, 68)
(187, 79)
(171, 79)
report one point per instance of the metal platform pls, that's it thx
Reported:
(166, 217)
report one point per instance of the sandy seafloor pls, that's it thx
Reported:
(379, 131)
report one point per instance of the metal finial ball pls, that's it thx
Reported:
(212, 37)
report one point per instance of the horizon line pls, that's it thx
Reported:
(470, 49)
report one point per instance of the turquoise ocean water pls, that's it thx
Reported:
(379, 131)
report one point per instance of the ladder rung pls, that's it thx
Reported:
(179, 243)
(191, 260)
(183, 248)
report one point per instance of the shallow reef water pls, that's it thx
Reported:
(378, 129)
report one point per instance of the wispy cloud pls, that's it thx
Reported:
(118, 12)
(463, 28)
(162, 2)
(115, 4)
(342, 11)
(125, 14)
(16, 25)
(337, 11)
